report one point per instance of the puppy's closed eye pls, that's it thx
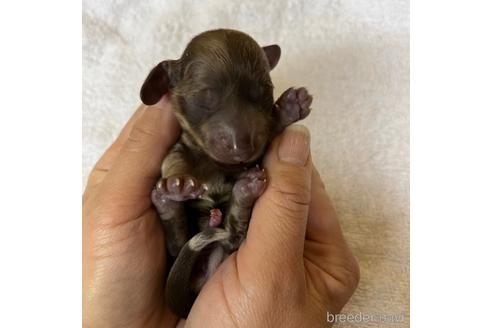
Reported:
(207, 100)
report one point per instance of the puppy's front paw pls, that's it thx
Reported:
(178, 189)
(249, 186)
(293, 105)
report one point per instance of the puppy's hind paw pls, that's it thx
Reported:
(249, 186)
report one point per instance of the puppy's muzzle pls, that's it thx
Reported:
(233, 146)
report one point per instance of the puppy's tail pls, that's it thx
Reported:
(196, 262)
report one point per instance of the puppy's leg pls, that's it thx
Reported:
(169, 196)
(292, 106)
(248, 187)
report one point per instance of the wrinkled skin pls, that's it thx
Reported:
(293, 267)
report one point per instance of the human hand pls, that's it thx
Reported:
(294, 265)
(124, 256)
(292, 269)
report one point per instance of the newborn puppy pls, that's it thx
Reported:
(222, 96)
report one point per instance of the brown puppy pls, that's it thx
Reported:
(222, 95)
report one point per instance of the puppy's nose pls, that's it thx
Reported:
(239, 146)
(241, 154)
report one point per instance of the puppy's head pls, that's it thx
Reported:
(222, 94)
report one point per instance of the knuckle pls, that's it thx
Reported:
(144, 130)
(139, 137)
(288, 206)
(291, 191)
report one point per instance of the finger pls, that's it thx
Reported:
(325, 246)
(278, 223)
(104, 163)
(323, 225)
(128, 184)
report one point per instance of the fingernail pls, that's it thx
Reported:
(294, 145)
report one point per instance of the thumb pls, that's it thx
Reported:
(278, 223)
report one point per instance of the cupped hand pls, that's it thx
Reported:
(293, 267)
(124, 254)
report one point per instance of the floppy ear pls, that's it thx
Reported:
(272, 53)
(157, 83)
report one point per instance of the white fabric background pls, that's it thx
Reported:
(352, 55)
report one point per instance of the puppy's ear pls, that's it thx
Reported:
(158, 82)
(273, 55)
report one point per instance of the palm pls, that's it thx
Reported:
(141, 262)
(283, 265)
(322, 279)
(129, 265)
(237, 286)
